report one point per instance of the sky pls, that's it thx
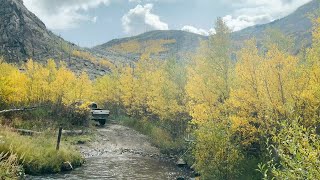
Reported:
(93, 22)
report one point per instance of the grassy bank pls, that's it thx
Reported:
(10, 167)
(36, 154)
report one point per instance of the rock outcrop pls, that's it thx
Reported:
(23, 36)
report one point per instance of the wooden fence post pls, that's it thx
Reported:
(59, 138)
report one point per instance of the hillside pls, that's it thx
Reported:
(175, 43)
(297, 25)
(23, 35)
(160, 44)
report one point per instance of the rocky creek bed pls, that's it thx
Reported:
(119, 152)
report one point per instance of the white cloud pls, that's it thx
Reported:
(141, 19)
(200, 31)
(63, 14)
(94, 19)
(252, 12)
(152, 1)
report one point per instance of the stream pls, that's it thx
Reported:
(120, 152)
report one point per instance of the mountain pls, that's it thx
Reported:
(174, 43)
(297, 25)
(160, 44)
(23, 35)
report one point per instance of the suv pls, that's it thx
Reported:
(99, 115)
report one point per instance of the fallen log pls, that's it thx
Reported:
(64, 132)
(26, 132)
(16, 110)
(72, 132)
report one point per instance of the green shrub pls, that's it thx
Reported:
(298, 151)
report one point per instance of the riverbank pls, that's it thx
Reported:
(119, 152)
(35, 154)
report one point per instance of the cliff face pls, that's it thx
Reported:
(23, 35)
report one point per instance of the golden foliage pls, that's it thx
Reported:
(98, 61)
(37, 83)
(149, 46)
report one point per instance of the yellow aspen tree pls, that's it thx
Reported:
(126, 88)
(210, 76)
(143, 74)
(12, 85)
(18, 84)
(310, 98)
(278, 71)
(163, 94)
(82, 89)
(246, 101)
(107, 90)
(62, 86)
(37, 84)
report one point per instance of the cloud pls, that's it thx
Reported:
(200, 31)
(141, 19)
(63, 14)
(94, 19)
(252, 12)
(243, 21)
(152, 1)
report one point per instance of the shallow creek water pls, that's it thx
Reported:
(121, 153)
(121, 167)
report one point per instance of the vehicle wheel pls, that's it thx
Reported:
(102, 122)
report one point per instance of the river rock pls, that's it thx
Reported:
(66, 166)
(181, 162)
(81, 142)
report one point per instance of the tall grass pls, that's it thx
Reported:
(9, 166)
(38, 155)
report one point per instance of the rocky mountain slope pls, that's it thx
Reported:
(23, 35)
